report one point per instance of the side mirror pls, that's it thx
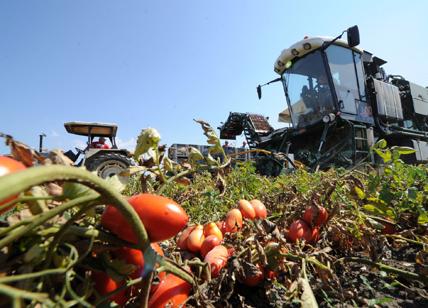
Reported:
(259, 91)
(353, 36)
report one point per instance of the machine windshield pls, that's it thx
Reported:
(307, 90)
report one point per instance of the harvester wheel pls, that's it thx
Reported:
(108, 164)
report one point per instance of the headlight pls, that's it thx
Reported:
(294, 52)
(307, 46)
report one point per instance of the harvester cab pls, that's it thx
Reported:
(97, 156)
(339, 101)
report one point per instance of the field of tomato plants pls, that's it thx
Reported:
(211, 232)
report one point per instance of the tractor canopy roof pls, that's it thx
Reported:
(93, 129)
(303, 47)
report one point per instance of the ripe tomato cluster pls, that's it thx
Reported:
(308, 227)
(206, 240)
(163, 218)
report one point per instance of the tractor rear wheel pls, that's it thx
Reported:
(108, 164)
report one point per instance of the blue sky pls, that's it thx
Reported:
(164, 63)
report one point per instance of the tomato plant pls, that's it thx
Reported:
(162, 218)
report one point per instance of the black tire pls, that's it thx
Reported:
(108, 164)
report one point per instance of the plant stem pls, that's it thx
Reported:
(169, 267)
(18, 293)
(161, 174)
(42, 218)
(58, 235)
(25, 199)
(172, 179)
(147, 282)
(14, 183)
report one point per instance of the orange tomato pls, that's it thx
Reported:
(233, 220)
(182, 240)
(259, 208)
(247, 210)
(212, 229)
(9, 165)
(195, 239)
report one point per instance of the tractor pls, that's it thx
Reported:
(105, 161)
(340, 102)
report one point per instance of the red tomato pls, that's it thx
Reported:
(259, 208)
(299, 230)
(209, 243)
(272, 275)
(171, 292)
(233, 220)
(9, 165)
(217, 259)
(212, 229)
(315, 235)
(247, 210)
(162, 217)
(195, 239)
(104, 285)
(315, 216)
(182, 239)
(135, 257)
(254, 278)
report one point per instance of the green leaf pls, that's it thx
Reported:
(211, 161)
(168, 164)
(423, 218)
(404, 150)
(381, 144)
(148, 139)
(372, 208)
(133, 170)
(360, 192)
(195, 155)
(385, 155)
(117, 182)
(73, 190)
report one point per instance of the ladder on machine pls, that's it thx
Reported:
(360, 142)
